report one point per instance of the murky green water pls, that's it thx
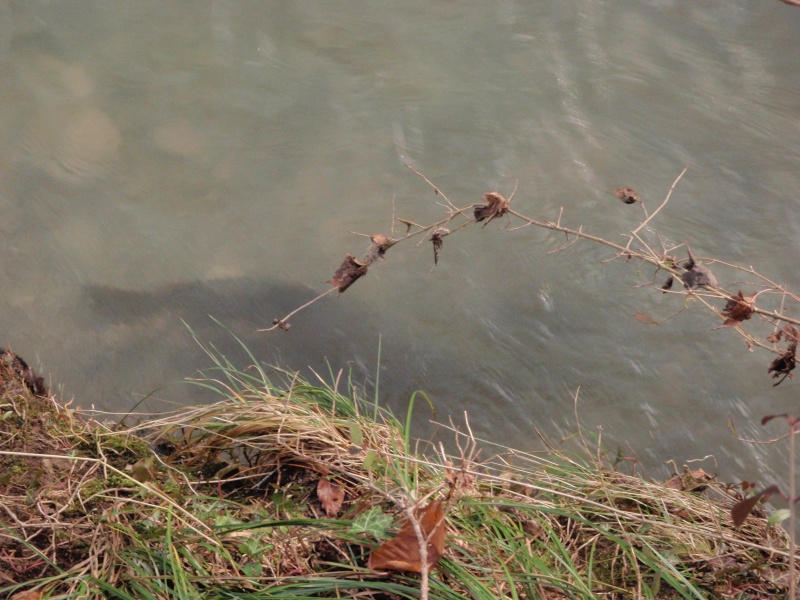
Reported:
(162, 161)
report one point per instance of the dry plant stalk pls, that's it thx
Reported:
(695, 275)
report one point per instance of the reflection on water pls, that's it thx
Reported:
(160, 164)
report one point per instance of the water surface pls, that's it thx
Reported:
(160, 164)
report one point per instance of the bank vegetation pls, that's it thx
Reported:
(300, 490)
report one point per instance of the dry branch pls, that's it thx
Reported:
(699, 282)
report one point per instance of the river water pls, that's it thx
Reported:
(161, 162)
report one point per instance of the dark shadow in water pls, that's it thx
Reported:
(143, 329)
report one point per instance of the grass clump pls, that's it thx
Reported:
(227, 501)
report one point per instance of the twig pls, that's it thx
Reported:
(662, 261)
(282, 322)
(436, 190)
(663, 204)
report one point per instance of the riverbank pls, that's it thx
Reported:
(300, 491)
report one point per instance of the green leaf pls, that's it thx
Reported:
(369, 459)
(778, 516)
(225, 520)
(282, 501)
(356, 435)
(252, 569)
(252, 547)
(374, 522)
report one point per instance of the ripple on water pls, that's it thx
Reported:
(73, 144)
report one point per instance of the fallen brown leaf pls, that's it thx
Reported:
(28, 595)
(402, 552)
(331, 496)
(689, 481)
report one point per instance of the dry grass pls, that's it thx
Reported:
(221, 501)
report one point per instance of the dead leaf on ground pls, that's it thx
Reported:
(331, 496)
(496, 206)
(348, 272)
(738, 309)
(627, 195)
(28, 595)
(402, 552)
(459, 479)
(689, 481)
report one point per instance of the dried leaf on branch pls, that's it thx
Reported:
(331, 497)
(742, 509)
(496, 206)
(643, 317)
(627, 195)
(438, 240)
(789, 330)
(281, 324)
(348, 272)
(784, 364)
(402, 553)
(668, 284)
(380, 244)
(697, 275)
(775, 337)
(738, 309)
